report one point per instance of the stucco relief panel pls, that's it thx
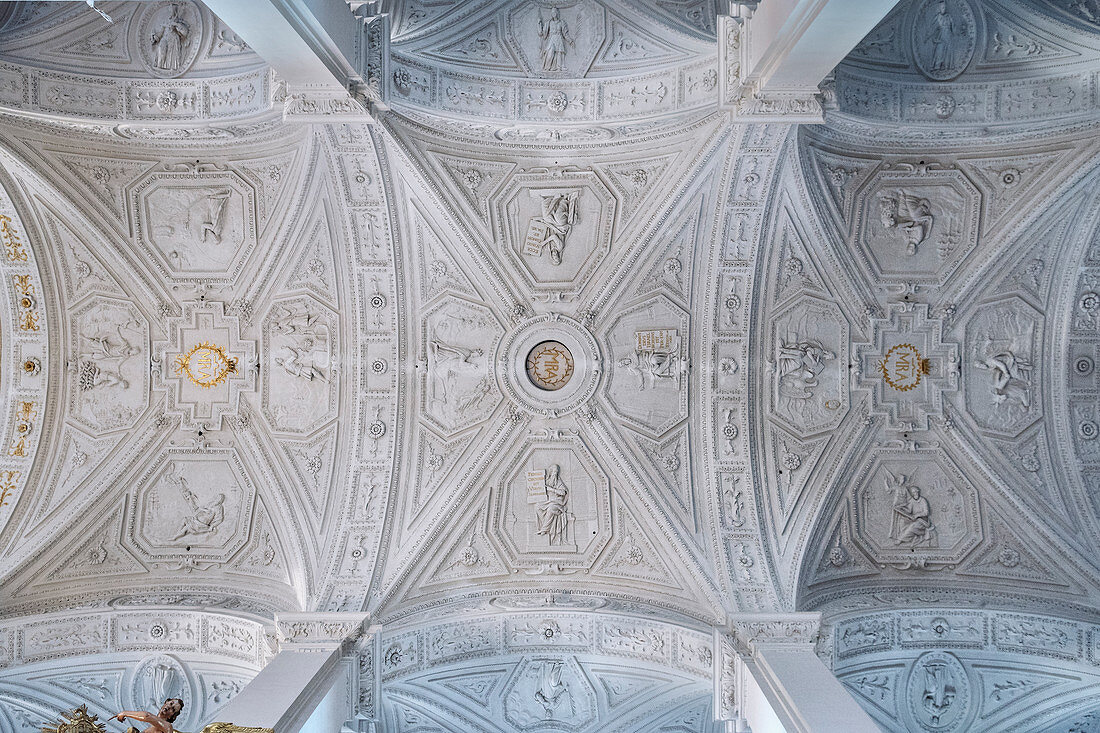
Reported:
(192, 510)
(301, 348)
(109, 366)
(552, 507)
(554, 226)
(648, 349)
(559, 40)
(195, 219)
(807, 375)
(458, 346)
(1003, 373)
(917, 222)
(915, 510)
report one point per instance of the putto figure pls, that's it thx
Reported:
(159, 722)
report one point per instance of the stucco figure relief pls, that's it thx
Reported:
(204, 518)
(944, 38)
(169, 41)
(908, 214)
(547, 492)
(1009, 376)
(549, 232)
(104, 355)
(458, 385)
(658, 357)
(552, 692)
(912, 520)
(798, 362)
(302, 346)
(554, 33)
(915, 511)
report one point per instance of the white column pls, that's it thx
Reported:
(332, 60)
(311, 679)
(776, 658)
(775, 55)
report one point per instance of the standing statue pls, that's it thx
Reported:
(552, 515)
(159, 722)
(941, 35)
(170, 40)
(554, 34)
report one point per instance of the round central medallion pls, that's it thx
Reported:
(549, 365)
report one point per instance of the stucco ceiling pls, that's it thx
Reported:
(257, 367)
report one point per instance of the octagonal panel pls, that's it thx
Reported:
(1002, 373)
(554, 227)
(552, 507)
(549, 693)
(192, 509)
(917, 222)
(648, 381)
(195, 220)
(300, 346)
(458, 342)
(807, 383)
(109, 340)
(915, 509)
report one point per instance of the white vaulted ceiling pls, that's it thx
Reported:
(254, 366)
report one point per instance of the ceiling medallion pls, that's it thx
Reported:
(903, 366)
(206, 365)
(550, 365)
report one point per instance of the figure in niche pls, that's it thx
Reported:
(159, 722)
(204, 518)
(555, 35)
(912, 515)
(551, 689)
(939, 691)
(552, 515)
(797, 365)
(170, 40)
(909, 214)
(445, 363)
(559, 214)
(300, 363)
(941, 34)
